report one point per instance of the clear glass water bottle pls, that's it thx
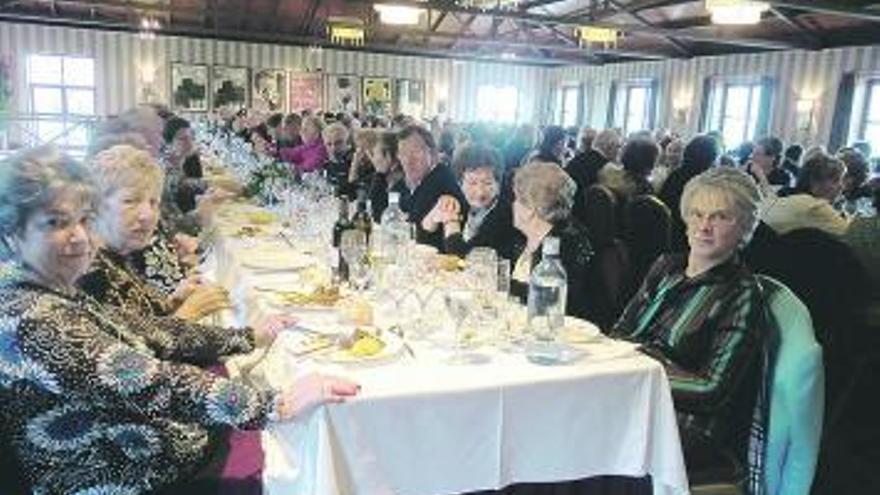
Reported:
(548, 289)
(394, 229)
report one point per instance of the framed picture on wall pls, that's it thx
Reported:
(343, 93)
(229, 87)
(189, 87)
(409, 97)
(306, 92)
(377, 96)
(270, 90)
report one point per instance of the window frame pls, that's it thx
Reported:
(872, 90)
(646, 108)
(714, 120)
(578, 90)
(619, 114)
(67, 119)
(499, 88)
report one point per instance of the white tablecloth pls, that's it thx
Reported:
(424, 427)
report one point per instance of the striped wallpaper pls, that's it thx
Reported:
(812, 75)
(121, 59)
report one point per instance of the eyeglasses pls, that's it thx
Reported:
(714, 218)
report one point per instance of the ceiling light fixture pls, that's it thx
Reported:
(604, 36)
(148, 29)
(346, 31)
(736, 12)
(398, 15)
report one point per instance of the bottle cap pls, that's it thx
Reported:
(551, 246)
(393, 197)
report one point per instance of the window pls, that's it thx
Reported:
(869, 124)
(62, 97)
(735, 110)
(634, 106)
(497, 103)
(569, 106)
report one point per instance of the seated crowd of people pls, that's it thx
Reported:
(104, 357)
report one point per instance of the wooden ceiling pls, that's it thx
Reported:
(530, 31)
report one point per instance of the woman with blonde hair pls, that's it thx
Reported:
(129, 189)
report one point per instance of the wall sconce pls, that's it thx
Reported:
(804, 111)
(149, 92)
(680, 109)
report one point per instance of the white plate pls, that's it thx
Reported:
(391, 351)
(579, 332)
(276, 259)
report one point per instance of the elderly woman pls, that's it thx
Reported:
(699, 155)
(810, 205)
(489, 220)
(337, 141)
(98, 400)
(543, 197)
(129, 185)
(360, 172)
(631, 179)
(857, 193)
(389, 174)
(699, 315)
(311, 154)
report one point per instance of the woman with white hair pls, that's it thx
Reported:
(101, 400)
(543, 198)
(700, 316)
(129, 189)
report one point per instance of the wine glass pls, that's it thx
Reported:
(460, 304)
(353, 247)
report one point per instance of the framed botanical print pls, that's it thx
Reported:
(189, 87)
(306, 92)
(229, 87)
(270, 90)
(343, 93)
(377, 96)
(409, 97)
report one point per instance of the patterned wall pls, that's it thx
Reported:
(123, 61)
(812, 75)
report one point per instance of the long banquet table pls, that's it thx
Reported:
(421, 426)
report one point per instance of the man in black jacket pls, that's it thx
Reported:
(426, 179)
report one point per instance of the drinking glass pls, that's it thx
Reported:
(460, 305)
(353, 247)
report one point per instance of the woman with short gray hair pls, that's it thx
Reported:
(79, 381)
(129, 188)
(700, 315)
(543, 198)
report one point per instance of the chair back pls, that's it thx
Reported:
(647, 224)
(796, 394)
(600, 207)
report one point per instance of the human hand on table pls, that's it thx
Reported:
(267, 329)
(203, 301)
(312, 390)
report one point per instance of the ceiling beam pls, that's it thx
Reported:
(309, 19)
(482, 40)
(794, 23)
(439, 20)
(536, 3)
(680, 47)
(724, 36)
(284, 39)
(824, 7)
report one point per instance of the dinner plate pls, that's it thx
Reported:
(577, 332)
(391, 351)
(275, 259)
